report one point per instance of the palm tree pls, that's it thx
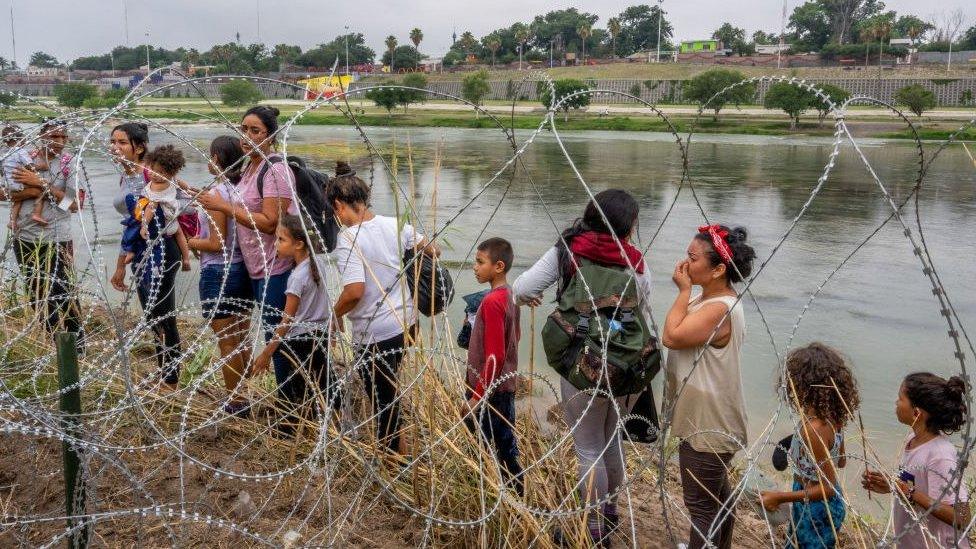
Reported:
(416, 36)
(4, 64)
(493, 42)
(881, 30)
(613, 27)
(391, 44)
(468, 42)
(521, 36)
(584, 32)
(914, 31)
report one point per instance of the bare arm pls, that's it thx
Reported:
(218, 230)
(351, 295)
(684, 330)
(818, 438)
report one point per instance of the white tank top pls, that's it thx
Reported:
(712, 399)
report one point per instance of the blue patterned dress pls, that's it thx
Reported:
(814, 524)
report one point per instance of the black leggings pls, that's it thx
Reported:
(159, 312)
(379, 367)
(49, 270)
(308, 357)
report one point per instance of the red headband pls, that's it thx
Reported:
(718, 234)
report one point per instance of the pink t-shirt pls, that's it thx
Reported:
(930, 467)
(258, 248)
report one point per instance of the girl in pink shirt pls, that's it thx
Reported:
(931, 507)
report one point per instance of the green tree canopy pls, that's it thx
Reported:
(638, 30)
(74, 94)
(240, 93)
(385, 97)
(324, 55)
(791, 99)
(413, 80)
(837, 94)
(404, 57)
(7, 99)
(704, 87)
(474, 87)
(732, 38)
(916, 98)
(566, 87)
(43, 60)
(560, 27)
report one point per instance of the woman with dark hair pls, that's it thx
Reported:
(154, 265)
(368, 253)
(264, 194)
(929, 481)
(44, 251)
(601, 236)
(704, 335)
(226, 295)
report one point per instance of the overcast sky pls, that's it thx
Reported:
(69, 29)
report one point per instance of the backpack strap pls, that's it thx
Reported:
(579, 333)
(273, 159)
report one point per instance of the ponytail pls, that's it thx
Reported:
(293, 224)
(943, 399)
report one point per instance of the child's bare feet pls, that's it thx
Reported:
(129, 256)
(39, 220)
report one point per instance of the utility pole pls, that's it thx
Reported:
(13, 39)
(660, 15)
(347, 49)
(257, 19)
(782, 29)
(125, 21)
(148, 66)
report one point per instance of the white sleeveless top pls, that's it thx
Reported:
(712, 399)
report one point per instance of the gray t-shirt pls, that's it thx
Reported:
(315, 305)
(130, 184)
(58, 228)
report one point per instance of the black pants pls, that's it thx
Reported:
(157, 295)
(706, 491)
(49, 270)
(379, 367)
(496, 415)
(308, 358)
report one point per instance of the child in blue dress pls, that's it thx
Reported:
(821, 388)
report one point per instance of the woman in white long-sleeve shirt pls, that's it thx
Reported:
(594, 419)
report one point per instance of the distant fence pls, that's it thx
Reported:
(949, 92)
(965, 57)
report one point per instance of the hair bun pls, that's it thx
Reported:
(142, 126)
(956, 386)
(271, 109)
(737, 235)
(343, 168)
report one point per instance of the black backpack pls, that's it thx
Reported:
(429, 282)
(310, 186)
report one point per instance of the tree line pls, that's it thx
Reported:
(830, 27)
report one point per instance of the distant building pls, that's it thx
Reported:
(772, 49)
(432, 64)
(700, 46)
(43, 71)
(903, 42)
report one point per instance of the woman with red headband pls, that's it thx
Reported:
(704, 335)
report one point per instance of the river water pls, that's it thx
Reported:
(879, 309)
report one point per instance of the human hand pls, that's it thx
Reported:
(534, 301)
(770, 501)
(680, 277)
(214, 202)
(118, 279)
(28, 178)
(261, 363)
(874, 481)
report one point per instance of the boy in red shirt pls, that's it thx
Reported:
(492, 355)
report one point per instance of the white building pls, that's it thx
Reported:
(772, 49)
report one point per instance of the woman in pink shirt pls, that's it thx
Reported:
(256, 206)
